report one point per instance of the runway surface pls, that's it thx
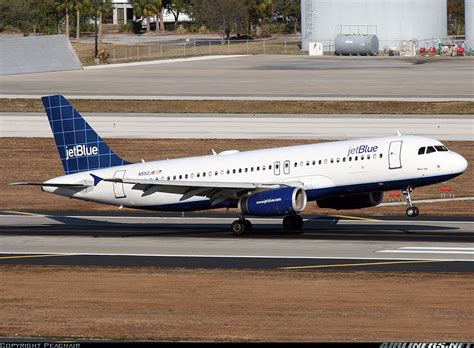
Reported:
(248, 126)
(264, 77)
(205, 241)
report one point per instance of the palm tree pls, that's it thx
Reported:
(146, 8)
(104, 8)
(78, 6)
(65, 5)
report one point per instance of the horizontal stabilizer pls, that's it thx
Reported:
(51, 184)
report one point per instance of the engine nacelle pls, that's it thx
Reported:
(276, 202)
(355, 201)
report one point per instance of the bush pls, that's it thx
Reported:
(126, 28)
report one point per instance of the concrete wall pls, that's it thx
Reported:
(30, 54)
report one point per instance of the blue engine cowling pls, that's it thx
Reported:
(276, 202)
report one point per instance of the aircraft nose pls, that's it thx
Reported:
(459, 164)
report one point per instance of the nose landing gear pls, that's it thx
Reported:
(411, 211)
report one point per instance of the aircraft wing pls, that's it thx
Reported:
(216, 191)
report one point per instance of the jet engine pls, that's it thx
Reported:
(277, 202)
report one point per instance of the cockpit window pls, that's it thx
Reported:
(430, 149)
(441, 148)
(421, 151)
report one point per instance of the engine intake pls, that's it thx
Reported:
(355, 201)
(276, 202)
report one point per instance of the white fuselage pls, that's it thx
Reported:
(325, 169)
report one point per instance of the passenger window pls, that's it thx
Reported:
(375, 156)
(251, 169)
(332, 160)
(203, 175)
(240, 170)
(350, 159)
(263, 168)
(320, 162)
(343, 159)
(258, 169)
(186, 176)
(430, 149)
(246, 170)
(228, 171)
(421, 151)
(356, 158)
(180, 177)
(381, 155)
(198, 175)
(270, 167)
(192, 176)
(222, 172)
(314, 163)
(301, 164)
(210, 174)
(338, 160)
(325, 161)
(307, 163)
(361, 157)
(296, 164)
(233, 171)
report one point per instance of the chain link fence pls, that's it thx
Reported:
(189, 48)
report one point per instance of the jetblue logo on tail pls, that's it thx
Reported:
(81, 150)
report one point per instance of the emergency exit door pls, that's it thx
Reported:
(395, 155)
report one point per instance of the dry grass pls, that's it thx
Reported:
(155, 51)
(225, 305)
(22, 160)
(250, 107)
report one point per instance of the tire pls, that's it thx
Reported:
(248, 225)
(239, 228)
(412, 211)
(293, 223)
(298, 222)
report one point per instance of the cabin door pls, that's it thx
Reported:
(118, 186)
(395, 155)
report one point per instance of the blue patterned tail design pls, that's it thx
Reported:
(80, 147)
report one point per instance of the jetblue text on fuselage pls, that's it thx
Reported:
(81, 150)
(362, 149)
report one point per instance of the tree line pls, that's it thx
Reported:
(243, 17)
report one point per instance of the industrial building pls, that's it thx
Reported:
(392, 21)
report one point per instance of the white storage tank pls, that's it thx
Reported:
(469, 25)
(391, 20)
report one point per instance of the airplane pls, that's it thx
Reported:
(350, 174)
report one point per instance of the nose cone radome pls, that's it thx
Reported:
(459, 164)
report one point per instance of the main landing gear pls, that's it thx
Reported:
(241, 227)
(293, 223)
(290, 223)
(411, 211)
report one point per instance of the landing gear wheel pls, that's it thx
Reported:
(239, 227)
(293, 223)
(248, 225)
(412, 211)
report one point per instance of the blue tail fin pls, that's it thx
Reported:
(80, 147)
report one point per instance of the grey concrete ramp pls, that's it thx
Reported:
(21, 55)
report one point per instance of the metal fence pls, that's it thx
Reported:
(191, 48)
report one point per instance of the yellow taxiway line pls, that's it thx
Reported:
(353, 217)
(22, 213)
(361, 264)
